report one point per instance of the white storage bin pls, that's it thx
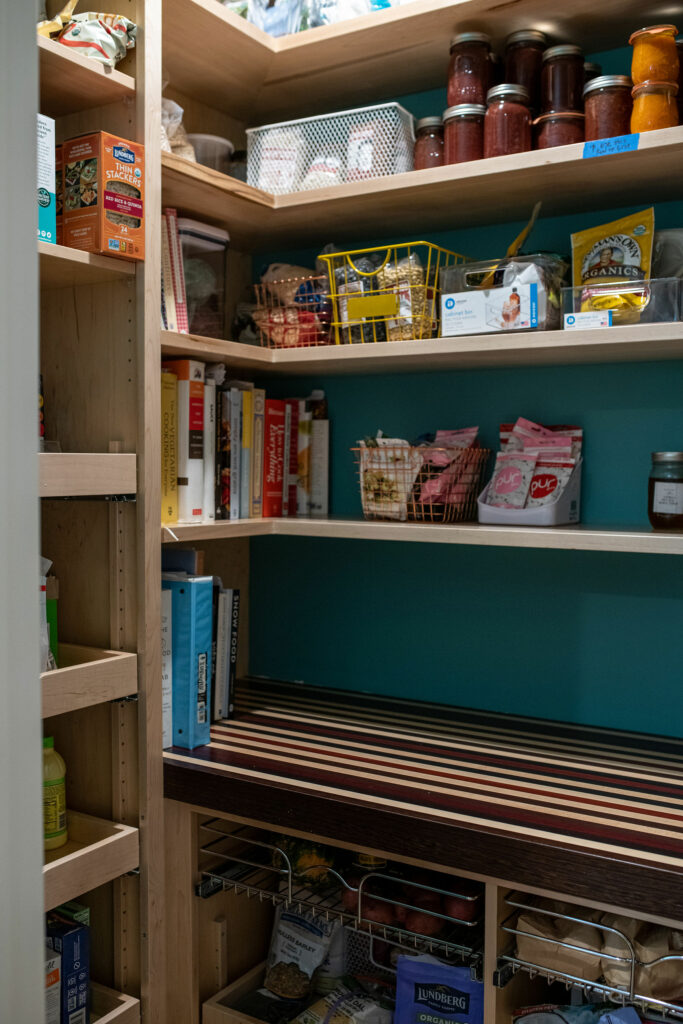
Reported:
(564, 510)
(205, 250)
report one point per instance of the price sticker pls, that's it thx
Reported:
(606, 147)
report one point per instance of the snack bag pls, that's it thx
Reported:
(550, 478)
(300, 943)
(388, 469)
(427, 990)
(511, 480)
(610, 254)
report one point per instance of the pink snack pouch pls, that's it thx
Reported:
(549, 480)
(511, 480)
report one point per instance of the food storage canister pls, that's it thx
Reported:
(562, 79)
(463, 132)
(654, 106)
(523, 61)
(469, 69)
(507, 125)
(428, 143)
(608, 105)
(665, 491)
(204, 249)
(213, 151)
(591, 71)
(559, 128)
(655, 58)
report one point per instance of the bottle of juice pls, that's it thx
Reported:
(54, 796)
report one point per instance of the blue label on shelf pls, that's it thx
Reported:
(533, 305)
(603, 147)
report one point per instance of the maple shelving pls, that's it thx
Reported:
(70, 82)
(62, 267)
(87, 676)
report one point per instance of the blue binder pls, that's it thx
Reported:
(192, 627)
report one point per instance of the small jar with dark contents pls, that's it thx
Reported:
(591, 71)
(679, 98)
(608, 105)
(665, 491)
(560, 128)
(463, 133)
(562, 79)
(507, 125)
(469, 69)
(523, 61)
(428, 143)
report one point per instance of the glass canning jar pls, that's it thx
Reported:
(608, 104)
(562, 79)
(428, 143)
(469, 69)
(559, 128)
(507, 125)
(463, 133)
(523, 60)
(591, 71)
(679, 98)
(654, 106)
(665, 491)
(655, 58)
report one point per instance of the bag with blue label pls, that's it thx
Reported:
(429, 992)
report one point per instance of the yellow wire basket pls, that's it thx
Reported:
(387, 293)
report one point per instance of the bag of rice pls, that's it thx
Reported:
(300, 943)
(427, 990)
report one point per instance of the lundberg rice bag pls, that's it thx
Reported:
(429, 992)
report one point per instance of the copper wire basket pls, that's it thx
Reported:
(420, 484)
(293, 312)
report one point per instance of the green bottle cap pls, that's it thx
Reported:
(48, 742)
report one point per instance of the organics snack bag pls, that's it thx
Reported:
(610, 254)
(427, 990)
(511, 480)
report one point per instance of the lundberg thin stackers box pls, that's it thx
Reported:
(47, 210)
(104, 195)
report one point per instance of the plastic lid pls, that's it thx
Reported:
(215, 140)
(470, 37)
(606, 81)
(428, 122)
(527, 35)
(667, 456)
(48, 742)
(507, 89)
(562, 51)
(655, 30)
(462, 109)
(654, 87)
(202, 232)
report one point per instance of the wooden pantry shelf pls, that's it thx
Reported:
(71, 474)
(96, 852)
(363, 60)
(110, 1007)
(70, 82)
(87, 676)
(62, 267)
(530, 348)
(217, 530)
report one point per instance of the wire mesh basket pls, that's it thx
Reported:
(425, 485)
(293, 312)
(315, 152)
(388, 293)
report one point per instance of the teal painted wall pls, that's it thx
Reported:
(589, 638)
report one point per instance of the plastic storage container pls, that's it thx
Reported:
(205, 251)
(563, 510)
(213, 151)
(625, 302)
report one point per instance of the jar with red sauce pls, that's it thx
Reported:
(463, 133)
(559, 128)
(608, 105)
(507, 125)
(562, 79)
(428, 143)
(469, 69)
(523, 61)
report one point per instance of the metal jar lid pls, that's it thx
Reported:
(428, 122)
(607, 82)
(667, 456)
(507, 89)
(527, 35)
(562, 51)
(463, 109)
(470, 37)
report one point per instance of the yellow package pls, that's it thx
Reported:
(611, 261)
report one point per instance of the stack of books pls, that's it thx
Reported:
(230, 452)
(173, 298)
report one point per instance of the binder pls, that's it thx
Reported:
(191, 625)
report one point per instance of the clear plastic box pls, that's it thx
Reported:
(563, 511)
(205, 250)
(624, 302)
(213, 151)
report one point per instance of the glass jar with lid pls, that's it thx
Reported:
(654, 106)
(591, 71)
(608, 105)
(655, 58)
(559, 128)
(428, 143)
(469, 69)
(463, 133)
(562, 79)
(665, 491)
(507, 125)
(523, 61)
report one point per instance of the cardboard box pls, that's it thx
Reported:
(72, 942)
(73, 911)
(47, 211)
(59, 192)
(52, 986)
(104, 186)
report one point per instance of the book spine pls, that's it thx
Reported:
(209, 450)
(257, 454)
(320, 468)
(235, 451)
(223, 456)
(177, 271)
(167, 279)
(220, 699)
(234, 636)
(215, 609)
(166, 668)
(286, 458)
(247, 443)
(190, 375)
(273, 457)
(293, 457)
(303, 491)
(169, 447)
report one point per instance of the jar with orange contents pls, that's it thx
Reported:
(655, 58)
(654, 106)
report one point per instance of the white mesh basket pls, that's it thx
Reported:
(350, 145)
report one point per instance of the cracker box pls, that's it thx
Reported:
(104, 185)
(72, 942)
(47, 222)
(59, 192)
(52, 986)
